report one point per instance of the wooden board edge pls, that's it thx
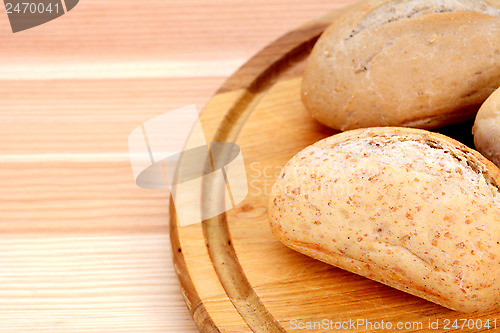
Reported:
(201, 316)
(254, 77)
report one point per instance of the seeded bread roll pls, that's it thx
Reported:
(415, 210)
(486, 128)
(417, 63)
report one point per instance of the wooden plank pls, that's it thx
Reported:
(78, 197)
(89, 283)
(88, 116)
(193, 31)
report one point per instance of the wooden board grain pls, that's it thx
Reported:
(83, 249)
(235, 275)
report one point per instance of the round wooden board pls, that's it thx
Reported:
(234, 274)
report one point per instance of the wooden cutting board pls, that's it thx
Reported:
(235, 275)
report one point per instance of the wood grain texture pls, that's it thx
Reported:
(82, 248)
(232, 265)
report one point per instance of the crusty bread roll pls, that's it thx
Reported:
(486, 128)
(417, 63)
(412, 209)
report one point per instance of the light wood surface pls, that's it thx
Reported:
(235, 275)
(82, 248)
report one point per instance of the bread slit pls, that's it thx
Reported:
(406, 9)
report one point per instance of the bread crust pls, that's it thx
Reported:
(486, 128)
(428, 66)
(425, 222)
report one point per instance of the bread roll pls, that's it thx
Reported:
(486, 128)
(417, 63)
(415, 210)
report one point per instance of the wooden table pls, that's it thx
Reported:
(83, 249)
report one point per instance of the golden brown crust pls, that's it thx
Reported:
(486, 128)
(412, 209)
(372, 67)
